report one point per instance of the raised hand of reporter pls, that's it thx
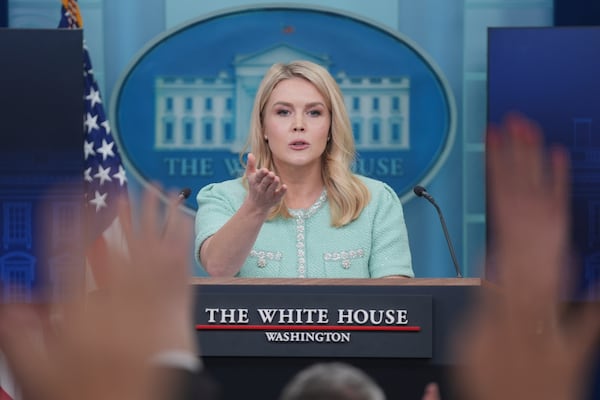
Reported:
(517, 343)
(99, 346)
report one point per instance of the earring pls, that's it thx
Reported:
(266, 138)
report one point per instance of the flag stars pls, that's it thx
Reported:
(103, 174)
(99, 200)
(106, 150)
(106, 126)
(91, 122)
(94, 97)
(88, 149)
(121, 175)
(87, 175)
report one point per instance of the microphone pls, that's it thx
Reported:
(184, 194)
(181, 197)
(421, 192)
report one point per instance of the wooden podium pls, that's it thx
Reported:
(243, 368)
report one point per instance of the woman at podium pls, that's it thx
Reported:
(299, 210)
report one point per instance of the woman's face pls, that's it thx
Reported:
(296, 122)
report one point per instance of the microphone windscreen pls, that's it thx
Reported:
(419, 190)
(185, 193)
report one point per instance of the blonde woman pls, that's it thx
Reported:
(299, 210)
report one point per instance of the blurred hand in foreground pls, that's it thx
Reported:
(98, 346)
(518, 342)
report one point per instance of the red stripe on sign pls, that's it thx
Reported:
(225, 327)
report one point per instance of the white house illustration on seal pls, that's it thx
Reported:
(213, 112)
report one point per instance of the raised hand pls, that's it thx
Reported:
(520, 342)
(265, 189)
(529, 206)
(99, 346)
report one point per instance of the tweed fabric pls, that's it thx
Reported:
(307, 246)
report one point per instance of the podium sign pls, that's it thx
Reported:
(308, 324)
(402, 353)
(333, 318)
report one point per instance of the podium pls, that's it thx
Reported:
(238, 351)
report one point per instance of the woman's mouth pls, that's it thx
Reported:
(298, 145)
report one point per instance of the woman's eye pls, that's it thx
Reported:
(314, 113)
(283, 112)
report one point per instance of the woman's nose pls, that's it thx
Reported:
(298, 124)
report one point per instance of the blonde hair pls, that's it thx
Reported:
(346, 193)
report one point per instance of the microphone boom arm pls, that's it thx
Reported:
(421, 192)
(448, 241)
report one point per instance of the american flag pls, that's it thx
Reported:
(104, 176)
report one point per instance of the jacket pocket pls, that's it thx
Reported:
(346, 264)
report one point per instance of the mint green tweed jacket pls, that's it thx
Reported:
(307, 246)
